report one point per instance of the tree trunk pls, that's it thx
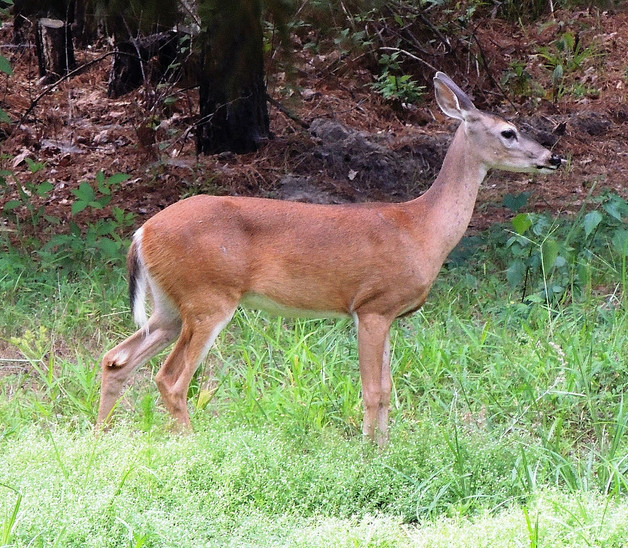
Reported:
(22, 26)
(84, 22)
(130, 65)
(55, 52)
(233, 110)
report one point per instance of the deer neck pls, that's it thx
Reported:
(447, 206)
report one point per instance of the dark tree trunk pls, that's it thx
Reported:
(84, 22)
(22, 26)
(233, 109)
(130, 65)
(55, 52)
(238, 125)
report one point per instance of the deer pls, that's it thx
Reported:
(201, 258)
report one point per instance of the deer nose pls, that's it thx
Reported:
(555, 160)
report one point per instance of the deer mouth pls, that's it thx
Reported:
(552, 164)
(546, 169)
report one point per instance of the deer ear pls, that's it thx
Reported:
(454, 102)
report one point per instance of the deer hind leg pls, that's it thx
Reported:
(374, 355)
(197, 336)
(117, 364)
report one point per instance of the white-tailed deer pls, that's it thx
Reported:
(202, 257)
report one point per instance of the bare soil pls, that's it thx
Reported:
(358, 147)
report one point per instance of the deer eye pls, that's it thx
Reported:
(509, 134)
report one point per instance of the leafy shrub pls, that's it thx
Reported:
(394, 87)
(564, 56)
(520, 81)
(552, 258)
(100, 241)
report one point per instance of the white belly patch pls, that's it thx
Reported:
(261, 302)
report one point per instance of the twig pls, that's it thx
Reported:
(490, 73)
(411, 55)
(137, 49)
(419, 12)
(288, 113)
(417, 44)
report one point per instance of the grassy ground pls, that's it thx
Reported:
(508, 423)
(237, 486)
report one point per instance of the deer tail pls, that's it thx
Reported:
(138, 280)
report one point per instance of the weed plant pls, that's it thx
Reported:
(37, 232)
(564, 56)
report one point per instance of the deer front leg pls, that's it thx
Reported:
(374, 356)
(382, 417)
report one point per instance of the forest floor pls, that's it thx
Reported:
(385, 151)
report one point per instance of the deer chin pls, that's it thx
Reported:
(539, 169)
(544, 170)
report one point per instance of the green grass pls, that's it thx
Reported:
(237, 486)
(508, 423)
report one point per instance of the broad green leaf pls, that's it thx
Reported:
(103, 201)
(590, 221)
(75, 230)
(4, 117)
(33, 166)
(521, 223)
(12, 204)
(515, 202)
(103, 227)
(620, 241)
(84, 192)
(613, 209)
(78, 206)
(619, 204)
(44, 188)
(118, 178)
(540, 224)
(549, 252)
(535, 298)
(516, 272)
(5, 66)
(107, 246)
(52, 219)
